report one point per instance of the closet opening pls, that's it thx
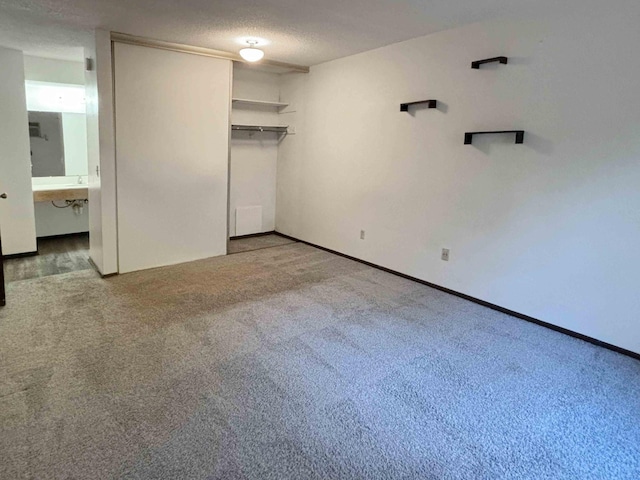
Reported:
(261, 122)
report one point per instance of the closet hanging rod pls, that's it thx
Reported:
(261, 128)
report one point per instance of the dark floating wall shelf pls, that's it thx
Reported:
(468, 136)
(404, 107)
(477, 63)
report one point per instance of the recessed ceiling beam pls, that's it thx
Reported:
(207, 52)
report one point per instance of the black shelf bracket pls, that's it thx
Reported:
(404, 107)
(477, 63)
(468, 136)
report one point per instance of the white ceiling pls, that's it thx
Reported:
(304, 32)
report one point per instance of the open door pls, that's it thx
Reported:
(3, 299)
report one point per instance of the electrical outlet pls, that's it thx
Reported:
(361, 234)
(445, 254)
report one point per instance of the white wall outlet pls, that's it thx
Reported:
(445, 254)
(361, 234)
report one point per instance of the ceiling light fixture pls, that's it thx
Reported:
(251, 53)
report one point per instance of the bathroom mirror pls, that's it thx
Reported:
(57, 129)
(58, 144)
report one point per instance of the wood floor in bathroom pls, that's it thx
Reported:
(56, 255)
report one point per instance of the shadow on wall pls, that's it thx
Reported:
(520, 61)
(512, 61)
(539, 144)
(443, 107)
(440, 106)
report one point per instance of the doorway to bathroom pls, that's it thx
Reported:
(59, 172)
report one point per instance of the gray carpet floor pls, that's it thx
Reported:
(293, 363)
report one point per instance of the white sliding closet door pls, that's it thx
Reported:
(172, 156)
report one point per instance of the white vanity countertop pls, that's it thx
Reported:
(43, 184)
(46, 188)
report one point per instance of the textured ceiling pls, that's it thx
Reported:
(305, 32)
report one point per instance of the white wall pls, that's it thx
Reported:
(74, 133)
(101, 155)
(16, 212)
(254, 156)
(172, 156)
(290, 178)
(56, 71)
(549, 229)
(59, 221)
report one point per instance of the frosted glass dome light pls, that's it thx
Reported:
(251, 53)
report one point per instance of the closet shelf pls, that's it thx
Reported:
(258, 103)
(260, 128)
(468, 136)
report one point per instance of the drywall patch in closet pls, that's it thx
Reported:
(248, 220)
